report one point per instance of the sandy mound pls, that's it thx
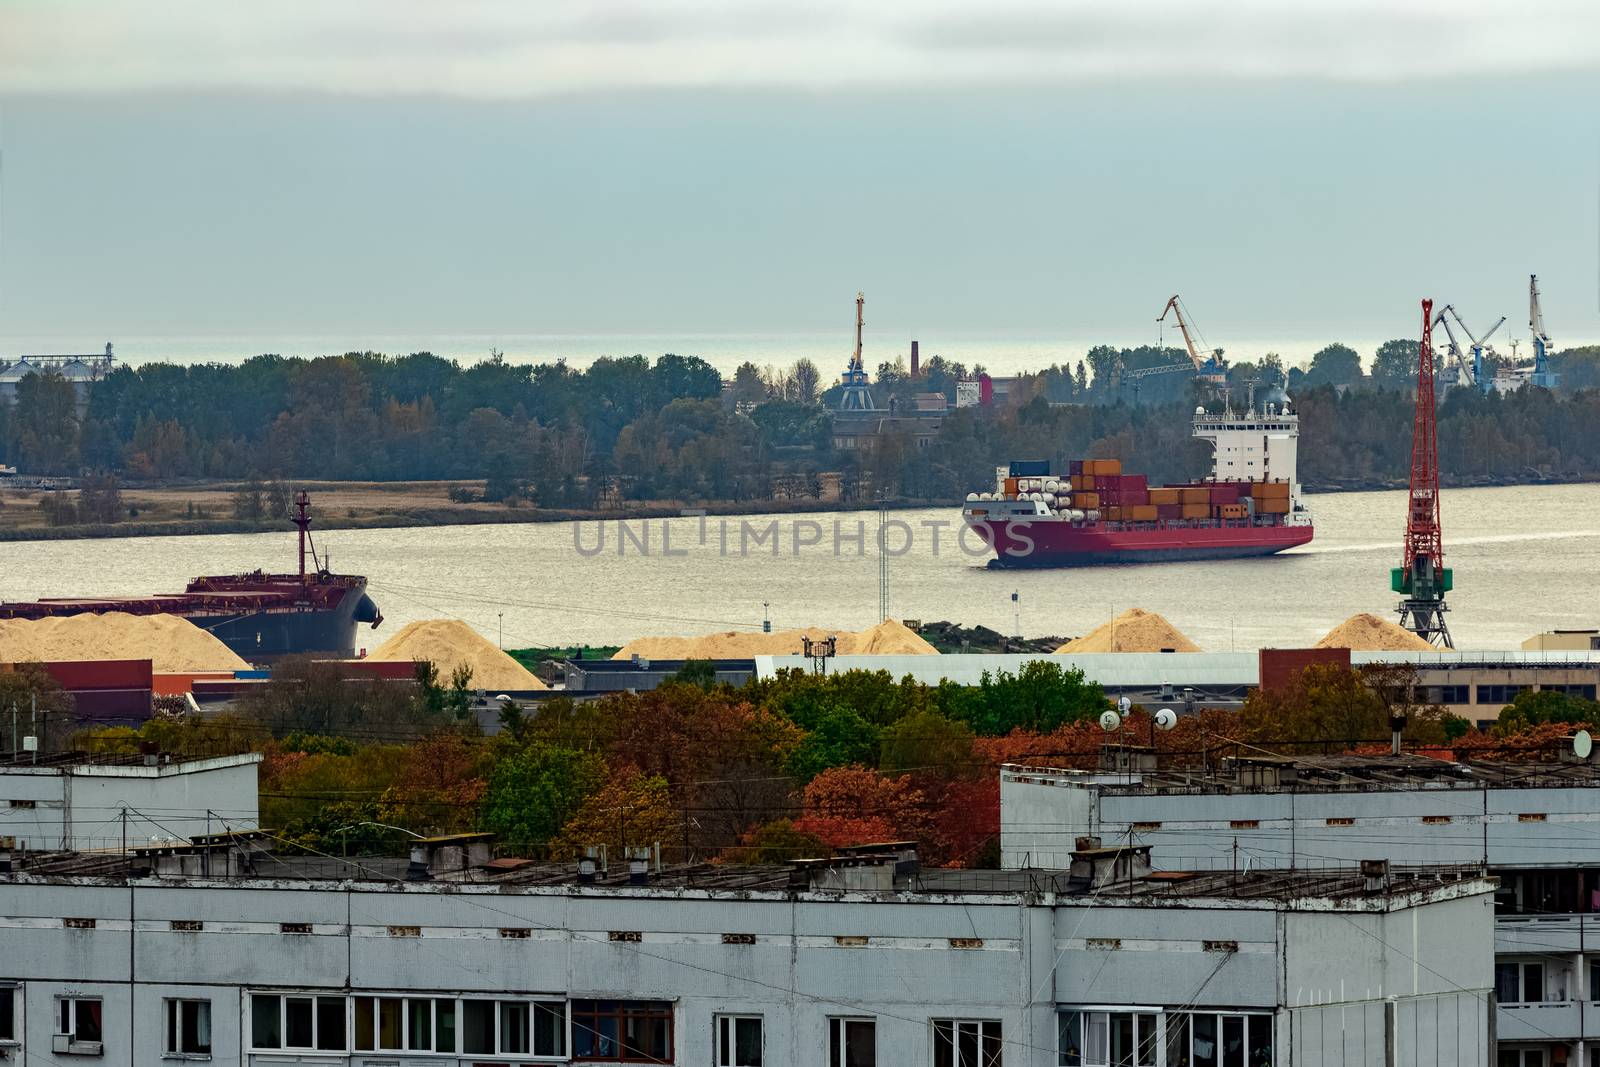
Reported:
(888, 638)
(891, 637)
(173, 645)
(448, 642)
(1135, 630)
(1368, 633)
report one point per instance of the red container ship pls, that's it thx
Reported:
(258, 615)
(1249, 505)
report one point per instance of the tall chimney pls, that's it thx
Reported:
(916, 360)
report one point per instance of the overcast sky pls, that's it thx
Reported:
(392, 166)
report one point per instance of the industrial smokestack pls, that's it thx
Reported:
(916, 360)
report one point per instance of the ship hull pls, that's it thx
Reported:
(1051, 543)
(260, 636)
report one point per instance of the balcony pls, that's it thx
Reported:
(1532, 934)
(1554, 1020)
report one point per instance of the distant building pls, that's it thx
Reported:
(81, 370)
(1564, 641)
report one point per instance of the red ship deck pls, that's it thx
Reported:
(1052, 543)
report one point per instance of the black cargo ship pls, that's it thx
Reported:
(259, 616)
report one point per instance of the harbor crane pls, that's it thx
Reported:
(1423, 579)
(1542, 376)
(1212, 368)
(1480, 345)
(857, 396)
(1464, 372)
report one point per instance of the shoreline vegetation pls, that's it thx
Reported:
(206, 508)
(418, 441)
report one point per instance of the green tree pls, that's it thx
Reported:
(840, 738)
(46, 418)
(1536, 707)
(1395, 364)
(534, 790)
(928, 743)
(1336, 364)
(1041, 696)
(100, 499)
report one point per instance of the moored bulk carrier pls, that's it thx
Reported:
(1249, 505)
(259, 616)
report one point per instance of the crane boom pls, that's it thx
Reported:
(1463, 369)
(1212, 368)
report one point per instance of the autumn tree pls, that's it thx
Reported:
(630, 811)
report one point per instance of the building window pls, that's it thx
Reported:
(1519, 982)
(405, 1024)
(1104, 1038)
(188, 1028)
(1522, 1057)
(1498, 694)
(79, 1021)
(8, 1014)
(514, 1028)
(622, 1031)
(739, 1041)
(297, 1022)
(966, 1043)
(1448, 694)
(852, 1043)
(1219, 1039)
(1586, 692)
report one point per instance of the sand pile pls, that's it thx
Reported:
(173, 645)
(446, 643)
(1135, 630)
(891, 637)
(888, 638)
(1368, 633)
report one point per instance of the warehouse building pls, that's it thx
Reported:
(1534, 826)
(224, 952)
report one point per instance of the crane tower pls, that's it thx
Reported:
(856, 396)
(1423, 579)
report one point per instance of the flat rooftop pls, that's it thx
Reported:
(1316, 774)
(509, 874)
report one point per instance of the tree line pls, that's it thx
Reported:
(628, 429)
(778, 769)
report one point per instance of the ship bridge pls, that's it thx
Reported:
(1253, 446)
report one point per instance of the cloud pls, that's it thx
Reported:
(530, 48)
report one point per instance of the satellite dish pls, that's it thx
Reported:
(1110, 720)
(1582, 744)
(1124, 705)
(1166, 719)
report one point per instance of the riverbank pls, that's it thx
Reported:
(208, 508)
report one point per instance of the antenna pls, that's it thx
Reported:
(766, 617)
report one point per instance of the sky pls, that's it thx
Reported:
(396, 168)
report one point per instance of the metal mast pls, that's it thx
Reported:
(1423, 578)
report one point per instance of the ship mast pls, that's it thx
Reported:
(302, 519)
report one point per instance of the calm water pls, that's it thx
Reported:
(1525, 558)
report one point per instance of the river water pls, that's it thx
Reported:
(1526, 559)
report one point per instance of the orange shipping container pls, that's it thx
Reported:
(1197, 511)
(1011, 487)
(1142, 512)
(1202, 495)
(1276, 491)
(1085, 500)
(1165, 496)
(1114, 514)
(1272, 507)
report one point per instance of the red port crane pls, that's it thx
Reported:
(1423, 578)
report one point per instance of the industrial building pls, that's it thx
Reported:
(1475, 685)
(80, 802)
(1534, 826)
(221, 951)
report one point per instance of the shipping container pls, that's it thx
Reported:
(1195, 495)
(1225, 493)
(1272, 507)
(1270, 490)
(1086, 500)
(1169, 511)
(1196, 511)
(1113, 514)
(1074, 468)
(1231, 511)
(1011, 487)
(1030, 468)
(1166, 496)
(1142, 513)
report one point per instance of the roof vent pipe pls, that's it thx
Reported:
(638, 866)
(590, 863)
(1397, 727)
(417, 869)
